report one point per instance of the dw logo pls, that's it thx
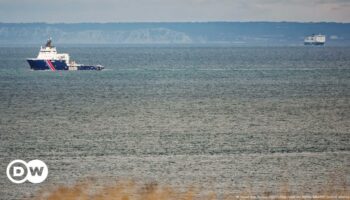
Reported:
(35, 171)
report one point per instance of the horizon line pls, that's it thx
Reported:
(162, 22)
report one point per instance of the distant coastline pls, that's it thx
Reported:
(174, 33)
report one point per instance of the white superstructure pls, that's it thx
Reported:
(49, 52)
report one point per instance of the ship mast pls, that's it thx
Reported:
(49, 43)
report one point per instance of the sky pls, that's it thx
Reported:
(69, 11)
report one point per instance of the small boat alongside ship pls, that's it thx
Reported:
(49, 59)
(318, 40)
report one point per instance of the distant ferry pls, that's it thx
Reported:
(315, 40)
(49, 59)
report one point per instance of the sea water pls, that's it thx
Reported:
(223, 119)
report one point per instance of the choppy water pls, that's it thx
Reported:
(223, 119)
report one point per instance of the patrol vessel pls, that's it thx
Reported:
(49, 59)
(315, 40)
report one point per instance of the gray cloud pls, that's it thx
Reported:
(173, 10)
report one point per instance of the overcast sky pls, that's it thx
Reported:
(173, 10)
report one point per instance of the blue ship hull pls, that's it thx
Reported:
(39, 64)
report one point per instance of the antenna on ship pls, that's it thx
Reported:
(49, 43)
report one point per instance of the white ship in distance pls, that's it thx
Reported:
(315, 40)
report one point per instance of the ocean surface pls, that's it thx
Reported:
(223, 119)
